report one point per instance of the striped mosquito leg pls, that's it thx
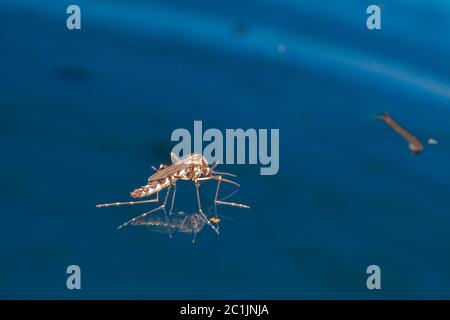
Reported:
(197, 187)
(161, 207)
(233, 204)
(217, 194)
(104, 205)
(173, 198)
(219, 179)
(139, 217)
(165, 212)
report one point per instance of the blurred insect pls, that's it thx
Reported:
(177, 222)
(415, 146)
(191, 167)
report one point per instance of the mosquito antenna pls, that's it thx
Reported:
(219, 178)
(225, 174)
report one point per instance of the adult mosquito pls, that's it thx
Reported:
(191, 167)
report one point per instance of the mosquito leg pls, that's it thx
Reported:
(219, 179)
(197, 187)
(127, 203)
(194, 227)
(216, 196)
(173, 199)
(165, 212)
(139, 217)
(232, 204)
(161, 207)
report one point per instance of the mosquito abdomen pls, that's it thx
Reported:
(151, 188)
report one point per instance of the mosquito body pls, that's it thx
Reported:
(192, 167)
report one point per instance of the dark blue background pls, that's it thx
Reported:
(84, 114)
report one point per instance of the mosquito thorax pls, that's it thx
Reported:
(198, 159)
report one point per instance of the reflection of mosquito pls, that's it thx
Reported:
(192, 167)
(178, 222)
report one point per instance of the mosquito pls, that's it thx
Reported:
(415, 146)
(178, 222)
(191, 167)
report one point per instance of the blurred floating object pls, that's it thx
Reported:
(432, 141)
(415, 146)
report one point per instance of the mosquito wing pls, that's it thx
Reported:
(174, 158)
(168, 171)
(184, 163)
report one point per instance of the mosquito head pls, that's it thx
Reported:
(207, 171)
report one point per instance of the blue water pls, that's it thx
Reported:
(86, 113)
